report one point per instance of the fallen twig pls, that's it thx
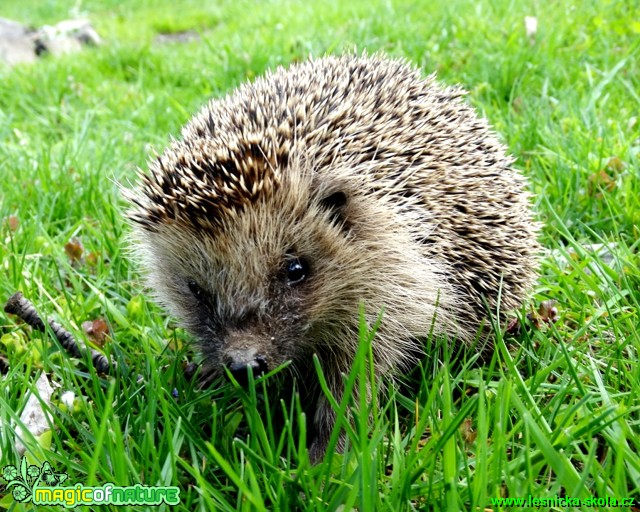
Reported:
(24, 309)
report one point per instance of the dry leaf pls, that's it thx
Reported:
(92, 258)
(74, 250)
(12, 222)
(548, 311)
(96, 330)
(615, 165)
(466, 430)
(600, 181)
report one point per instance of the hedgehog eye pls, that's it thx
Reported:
(297, 271)
(198, 292)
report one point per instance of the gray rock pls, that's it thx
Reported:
(68, 36)
(19, 43)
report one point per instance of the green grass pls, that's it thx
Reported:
(555, 410)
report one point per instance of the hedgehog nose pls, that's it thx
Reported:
(240, 368)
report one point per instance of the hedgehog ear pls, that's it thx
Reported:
(334, 203)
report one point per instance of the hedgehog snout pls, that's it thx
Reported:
(240, 366)
(244, 352)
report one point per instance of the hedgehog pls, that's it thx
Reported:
(338, 185)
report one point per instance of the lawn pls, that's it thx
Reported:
(554, 413)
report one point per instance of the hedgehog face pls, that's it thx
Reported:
(256, 291)
(257, 325)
